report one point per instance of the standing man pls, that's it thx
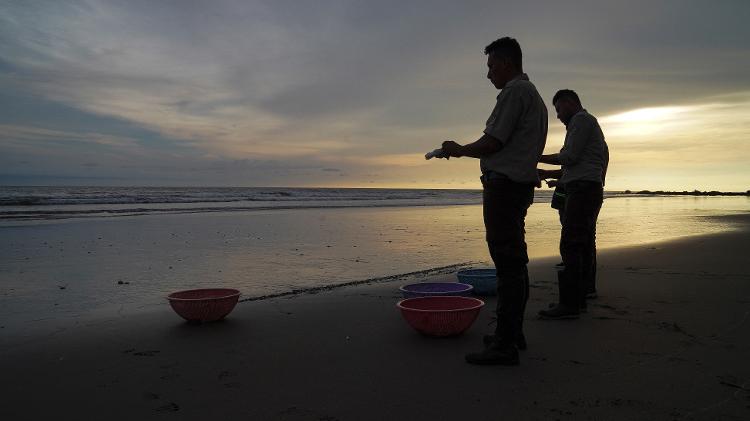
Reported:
(584, 158)
(512, 143)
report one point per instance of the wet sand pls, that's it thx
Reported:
(58, 273)
(668, 338)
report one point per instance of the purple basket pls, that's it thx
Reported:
(436, 289)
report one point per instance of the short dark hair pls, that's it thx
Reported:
(566, 94)
(506, 47)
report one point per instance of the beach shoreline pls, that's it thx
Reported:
(57, 275)
(666, 339)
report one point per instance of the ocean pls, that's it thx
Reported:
(33, 203)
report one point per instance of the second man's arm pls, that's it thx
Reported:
(546, 174)
(553, 159)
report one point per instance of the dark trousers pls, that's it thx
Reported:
(578, 240)
(590, 286)
(504, 206)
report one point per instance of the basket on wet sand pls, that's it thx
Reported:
(440, 316)
(435, 289)
(484, 280)
(204, 305)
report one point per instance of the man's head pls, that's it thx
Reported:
(504, 60)
(567, 104)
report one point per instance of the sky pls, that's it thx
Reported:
(354, 93)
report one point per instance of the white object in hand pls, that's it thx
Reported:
(437, 153)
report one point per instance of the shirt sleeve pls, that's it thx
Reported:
(504, 117)
(576, 138)
(606, 162)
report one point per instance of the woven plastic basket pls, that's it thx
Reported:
(484, 280)
(440, 316)
(435, 289)
(204, 305)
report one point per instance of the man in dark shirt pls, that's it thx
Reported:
(509, 150)
(584, 158)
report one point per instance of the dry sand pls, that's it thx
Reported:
(669, 338)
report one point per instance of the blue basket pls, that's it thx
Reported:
(483, 280)
(436, 289)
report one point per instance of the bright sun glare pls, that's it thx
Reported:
(646, 115)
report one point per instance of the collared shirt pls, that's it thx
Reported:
(519, 123)
(584, 155)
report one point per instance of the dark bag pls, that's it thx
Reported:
(558, 198)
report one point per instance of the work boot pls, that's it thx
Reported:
(496, 354)
(561, 311)
(520, 341)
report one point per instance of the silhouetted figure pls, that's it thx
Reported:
(512, 143)
(584, 158)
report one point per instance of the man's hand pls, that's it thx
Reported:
(451, 148)
(545, 174)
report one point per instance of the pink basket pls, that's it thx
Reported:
(204, 305)
(440, 316)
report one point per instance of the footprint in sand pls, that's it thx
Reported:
(233, 385)
(674, 327)
(169, 376)
(170, 407)
(149, 396)
(224, 375)
(146, 353)
(306, 414)
(621, 312)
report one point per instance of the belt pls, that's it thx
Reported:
(491, 175)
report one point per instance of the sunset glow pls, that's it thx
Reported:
(268, 95)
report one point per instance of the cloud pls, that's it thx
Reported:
(363, 87)
(708, 132)
(685, 146)
(31, 138)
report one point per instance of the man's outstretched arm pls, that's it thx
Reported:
(485, 145)
(553, 159)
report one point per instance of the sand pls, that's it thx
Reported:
(668, 338)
